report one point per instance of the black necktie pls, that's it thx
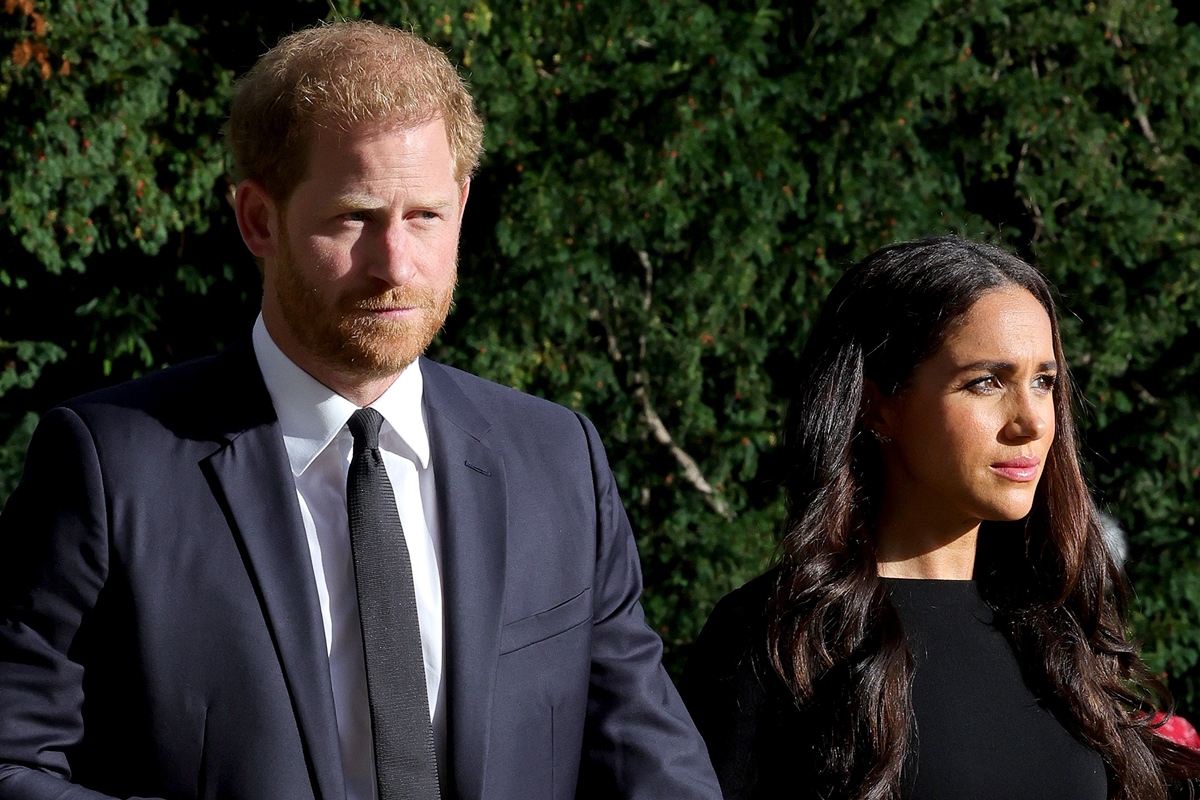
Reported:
(405, 763)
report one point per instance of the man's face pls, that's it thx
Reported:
(365, 258)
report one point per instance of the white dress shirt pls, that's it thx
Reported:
(313, 418)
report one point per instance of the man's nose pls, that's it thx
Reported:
(392, 259)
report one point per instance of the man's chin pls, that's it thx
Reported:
(380, 356)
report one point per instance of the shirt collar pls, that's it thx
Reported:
(311, 414)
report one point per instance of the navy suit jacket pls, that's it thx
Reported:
(161, 634)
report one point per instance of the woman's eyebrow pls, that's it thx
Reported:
(1004, 366)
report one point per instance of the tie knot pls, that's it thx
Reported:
(364, 427)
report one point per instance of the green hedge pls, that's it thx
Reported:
(669, 189)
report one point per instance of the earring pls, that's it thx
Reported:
(879, 437)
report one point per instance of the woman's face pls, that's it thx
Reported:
(969, 436)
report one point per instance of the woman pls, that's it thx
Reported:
(938, 625)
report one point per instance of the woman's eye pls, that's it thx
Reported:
(1046, 382)
(984, 385)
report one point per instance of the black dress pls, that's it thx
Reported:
(980, 731)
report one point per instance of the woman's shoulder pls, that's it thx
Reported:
(732, 645)
(736, 627)
(744, 712)
(744, 605)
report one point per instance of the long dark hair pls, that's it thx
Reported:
(834, 637)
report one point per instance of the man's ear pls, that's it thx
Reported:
(462, 200)
(257, 218)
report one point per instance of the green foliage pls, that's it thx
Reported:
(103, 156)
(12, 453)
(669, 189)
(24, 362)
(111, 172)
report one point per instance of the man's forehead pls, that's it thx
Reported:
(337, 133)
(325, 141)
(368, 201)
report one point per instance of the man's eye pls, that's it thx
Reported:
(355, 216)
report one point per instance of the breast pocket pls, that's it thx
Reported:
(547, 624)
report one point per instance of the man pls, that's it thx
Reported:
(197, 605)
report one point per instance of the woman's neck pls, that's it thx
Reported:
(954, 561)
(916, 543)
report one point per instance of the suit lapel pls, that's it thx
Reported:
(472, 511)
(251, 477)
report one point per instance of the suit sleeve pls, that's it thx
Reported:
(53, 566)
(640, 742)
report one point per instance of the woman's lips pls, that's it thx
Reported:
(1021, 469)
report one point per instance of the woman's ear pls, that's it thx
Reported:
(870, 404)
(878, 414)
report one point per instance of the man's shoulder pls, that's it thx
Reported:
(186, 395)
(523, 425)
(495, 400)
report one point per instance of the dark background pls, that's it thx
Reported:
(669, 189)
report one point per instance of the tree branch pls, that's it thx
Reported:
(1035, 211)
(1139, 111)
(691, 469)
